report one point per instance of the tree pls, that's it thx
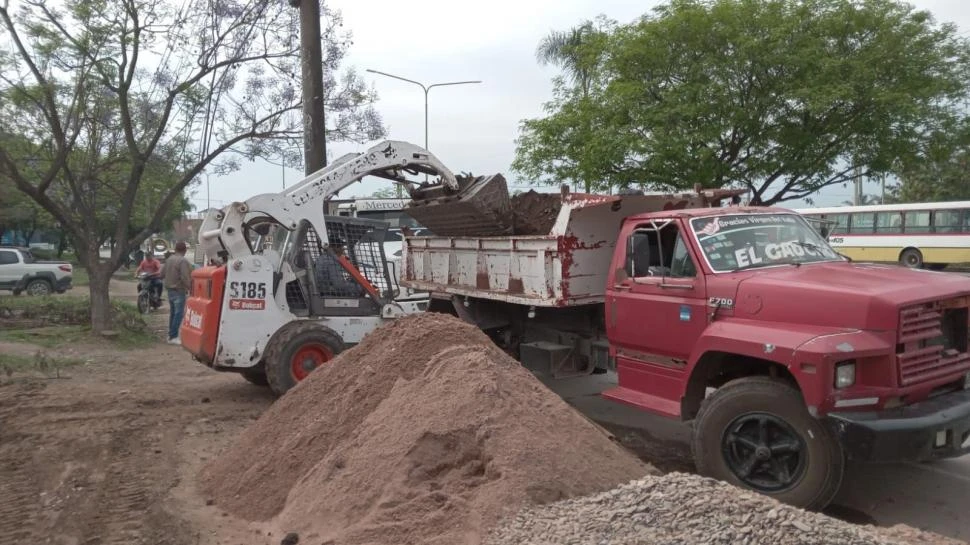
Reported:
(556, 152)
(578, 51)
(111, 108)
(940, 173)
(18, 215)
(782, 97)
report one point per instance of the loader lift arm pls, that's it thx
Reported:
(222, 231)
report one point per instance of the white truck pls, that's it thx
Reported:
(21, 272)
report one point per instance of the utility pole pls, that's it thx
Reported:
(311, 62)
(857, 199)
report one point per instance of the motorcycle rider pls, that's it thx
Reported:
(153, 267)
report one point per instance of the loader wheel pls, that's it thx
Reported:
(297, 350)
(756, 433)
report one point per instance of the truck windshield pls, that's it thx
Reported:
(742, 241)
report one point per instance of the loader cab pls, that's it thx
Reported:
(344, 274)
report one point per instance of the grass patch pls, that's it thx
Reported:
(55, 321)
(48, 337)
(134, 339)
(80, 278)
(40, 362)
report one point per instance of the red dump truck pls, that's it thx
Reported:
(787, 357)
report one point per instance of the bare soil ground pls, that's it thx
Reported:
(108, 453)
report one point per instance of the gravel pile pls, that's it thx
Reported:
(680, 508)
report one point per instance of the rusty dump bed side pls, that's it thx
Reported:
(566, 267)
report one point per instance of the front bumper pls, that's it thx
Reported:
(907, 433)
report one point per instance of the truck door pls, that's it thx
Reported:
(655, 312)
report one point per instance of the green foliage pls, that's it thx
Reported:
(941, 173)
(783, 97)
(111, 110)
(40, 361)
(47, 337)
(561, 147)
(24, 312)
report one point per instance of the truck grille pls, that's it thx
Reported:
(932, 341)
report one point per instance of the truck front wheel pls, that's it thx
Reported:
(756, 433)
(299, 349)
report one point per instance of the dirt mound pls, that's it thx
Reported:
(684, 508)
(424, 433)
(535, 213)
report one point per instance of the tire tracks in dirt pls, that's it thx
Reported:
(93, 459)
(20, 495)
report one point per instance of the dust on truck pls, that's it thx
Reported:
(787, 358)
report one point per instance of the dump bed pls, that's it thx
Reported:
(566, 267)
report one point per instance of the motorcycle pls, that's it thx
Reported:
(149, 298)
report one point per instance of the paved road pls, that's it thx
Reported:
(931, 496)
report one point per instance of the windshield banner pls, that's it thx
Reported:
(738, 242)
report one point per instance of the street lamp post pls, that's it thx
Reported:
(426, 89)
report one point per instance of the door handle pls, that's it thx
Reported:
(621, 287)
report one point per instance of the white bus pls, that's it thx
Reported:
(916, 235)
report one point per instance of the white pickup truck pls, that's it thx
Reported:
(21, 272)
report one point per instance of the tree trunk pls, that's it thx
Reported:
(61, 243)
(100, 277)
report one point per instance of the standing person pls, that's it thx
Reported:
(177, 276)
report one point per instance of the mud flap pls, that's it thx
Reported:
(481, 207)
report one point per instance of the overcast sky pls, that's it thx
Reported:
(471, 128)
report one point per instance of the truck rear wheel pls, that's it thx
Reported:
(299, 349)
(756, 433)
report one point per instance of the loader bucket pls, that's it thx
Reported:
(481, 207)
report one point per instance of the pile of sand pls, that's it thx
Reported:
(423, 433)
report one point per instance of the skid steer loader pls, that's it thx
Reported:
(290, 287)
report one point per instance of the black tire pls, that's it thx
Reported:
(38, 287)
(144, 302)
(255, 376)
(296, 350)
(804, 463)
(912, 258)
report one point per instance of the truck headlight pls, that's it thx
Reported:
(845, 374)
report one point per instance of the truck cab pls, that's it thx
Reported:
(787, 357)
